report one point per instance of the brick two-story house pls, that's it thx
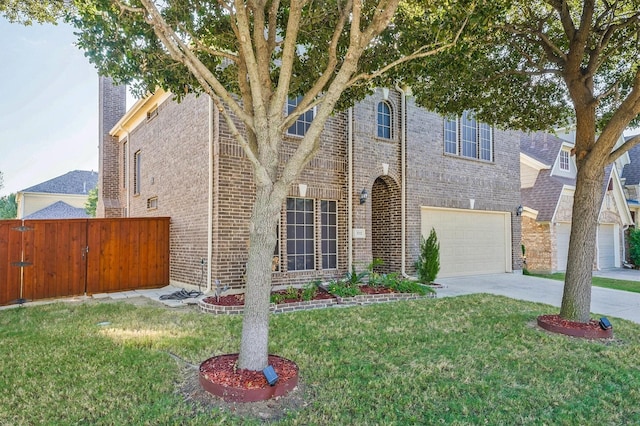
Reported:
(387, 172)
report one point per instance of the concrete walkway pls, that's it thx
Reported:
(604, 301)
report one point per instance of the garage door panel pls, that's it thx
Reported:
(563, 230)
(606, 246)
(471, 242)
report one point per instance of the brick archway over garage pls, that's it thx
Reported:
(386, 224)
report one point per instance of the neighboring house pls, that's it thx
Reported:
(387, 172)
(631, 181)
(548, 173)
(63, 197)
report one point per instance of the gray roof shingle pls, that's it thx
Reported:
(631, 171)
(59, 210)
(76, 182)
(541, 146)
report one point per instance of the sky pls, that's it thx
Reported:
(48, 105)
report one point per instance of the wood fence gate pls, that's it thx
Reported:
(42, 259)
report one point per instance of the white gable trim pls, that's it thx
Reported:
(530, 213)
(532, 162)
(566, 190)
(620, 200)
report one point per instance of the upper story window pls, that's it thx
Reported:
(466, 137)
(136, 172)
(302, 124)
(564, 160)
(384, 120)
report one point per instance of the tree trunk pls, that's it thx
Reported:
(576, 298)
(262, 242)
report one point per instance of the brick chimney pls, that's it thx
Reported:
(112, 106)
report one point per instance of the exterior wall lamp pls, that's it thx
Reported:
(519, 210)
(363, 196)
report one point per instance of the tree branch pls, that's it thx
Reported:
(625, 147)
(419, 53)
(181, 53)
(312, 94)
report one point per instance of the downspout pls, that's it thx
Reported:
(125, 168)
(350, 187)
(212, 205)
(403, 181)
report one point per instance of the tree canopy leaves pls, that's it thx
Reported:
(517, 74)
(29, 11)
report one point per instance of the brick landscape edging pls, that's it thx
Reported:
(360, 300)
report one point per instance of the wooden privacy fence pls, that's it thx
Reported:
(41, 259)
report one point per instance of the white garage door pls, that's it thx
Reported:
(606, 246)
(563, 230)
(471, 241)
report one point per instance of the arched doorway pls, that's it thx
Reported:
(386, 223)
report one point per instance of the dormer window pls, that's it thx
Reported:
(564, 161)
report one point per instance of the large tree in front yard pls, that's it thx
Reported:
(250, 57)
(552, 63)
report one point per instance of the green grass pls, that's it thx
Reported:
(465, 360)
(633, 286)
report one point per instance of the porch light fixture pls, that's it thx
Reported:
(271, 375)
(363, 196)
(519, 210)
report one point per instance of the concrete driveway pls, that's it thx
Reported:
(610, 303)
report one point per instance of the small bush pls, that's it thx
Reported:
(277, 298)
(408, 286)
(634, 245)
(344, 289)
(428, 264)
(291, 293)
(309, 291)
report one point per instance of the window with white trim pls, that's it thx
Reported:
(302, 124)
(466, 137)
(136, 172)
(451, 136)
(329, 234)
(300, 234)
(564, 160)
(384, 120)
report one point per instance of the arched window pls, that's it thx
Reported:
(384, 120)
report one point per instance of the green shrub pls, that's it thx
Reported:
(634, 245)
(408, 286)
(309, 291)
(344, 288)
(291, 293)
(428, 264)
(277, 298)
(354, 278)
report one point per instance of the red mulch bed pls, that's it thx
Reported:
(222, 370)
(589, 330)
(238, 299)
(220, 376)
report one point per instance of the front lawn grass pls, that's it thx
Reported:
(475, 359)
(633, 286)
